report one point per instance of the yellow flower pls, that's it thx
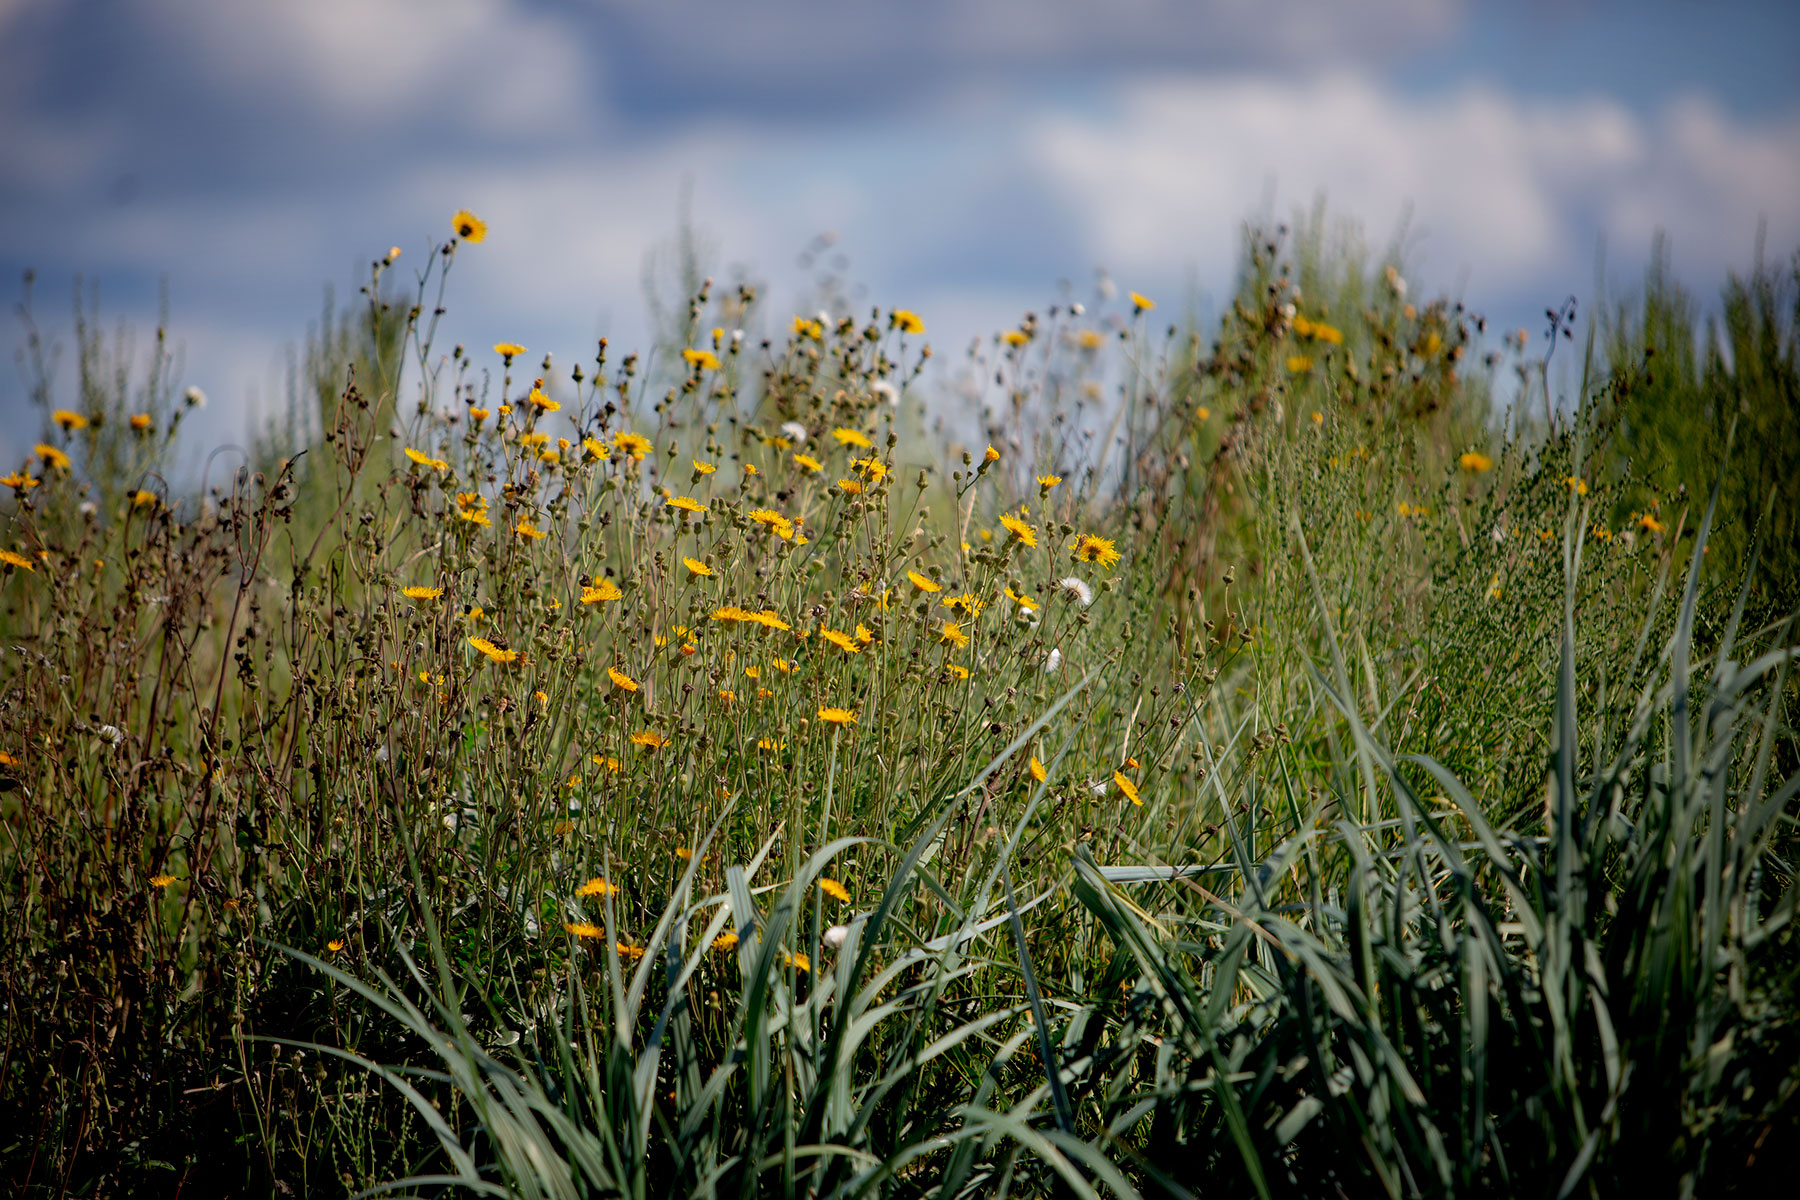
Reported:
(18, 481)
(1128, 787)
(809, 462)
(478, 415)
(599, 885)
(599, 592)
(1578, 486)
(703, 468)
(425, 460)
(1090, 339)
(688, 503)
(469, 227)
(864, 634)
(143, 499)
(1299, 364)
(850, 487)
(493, 652)
(784, 528)
(922, 583)
(1318, 418)
(532, 441)
(7, 760)
(1037, 770)
(161, 881)
(967, 602)
(140, 422)
(627, 950)
(907, 321)
(508, 350)
(621, 680)
(70, 421)
(783, 665)
(704, 360)
(837, 716)
(334, 945)
(834, 889)
(634, 444)
(1015, 337)
(53, 458)
(990, 455)
(1024, 602)
(526, 529)
(797, 961)
(811, 329)
(1021, 532)
(725, 942)
(1651, 524)
(871, 468)
(1475, 461)
(1142, 303)
(538, 400)
(952, 632)
(1049, 481)
(769, 744)
(696, 567)
(1328, 333)
(422, 593)
(842, 641)
(850, 437)
(608, 761)
(649, 739)
(584, 929)
(1092, 548)
(959, 672)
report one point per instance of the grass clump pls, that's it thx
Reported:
(706, 772)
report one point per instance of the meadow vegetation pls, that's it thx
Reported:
(1344, 750)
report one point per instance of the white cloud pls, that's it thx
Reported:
(1512, 190)
(475, 64)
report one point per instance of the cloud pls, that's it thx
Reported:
(1513, 191)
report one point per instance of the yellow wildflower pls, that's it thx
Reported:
(492, 651)
(922, 583)
(634, 444)
(526, 529)
(1024, 602)
(422, 593)
(584, 929)
(809, 462)
(834, 889)
(842, 641)
(599, 592)
(162, 881)
(1037, 770)
(1015, 337)
(1128, 787)
(621, 680)
(508, 350)
(70, 421)
(1092, 548)
(850, 437)
(1048, 481)
(599, 885)
(990, 455)
(952, 632)
(53, 458)
(907, 321)
(837, 716)
(143, 499)
(1651, 524)
(686, 503)
(1021, 532)
(1299, 364)
(469, 227)
(703, 468)
(725, 942)
(871, 468)
(797, 961)
(704, 360)
(425, 460)
(1476, 462)
(1141, 303)
(538, 400)
(696, 567)
(649, 739)
(806, 328)
(18, 481)
(850, 487)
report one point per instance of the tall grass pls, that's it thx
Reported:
(677, 776)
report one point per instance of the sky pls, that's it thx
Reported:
(972, 159)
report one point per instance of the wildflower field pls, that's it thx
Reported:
(1255, 759)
